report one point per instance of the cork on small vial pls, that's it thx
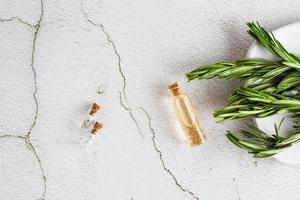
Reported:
(94, 109)
(174, 89)
(97, 127)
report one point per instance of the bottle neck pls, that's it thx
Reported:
(175, 89)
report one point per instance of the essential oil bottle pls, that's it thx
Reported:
(187, 116)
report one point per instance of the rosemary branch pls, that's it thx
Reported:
(247, 102)
(254, 72)
(235, 69)
(269, 42)
(260, 144)
(268, 87)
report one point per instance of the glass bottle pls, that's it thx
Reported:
(187, 116)
(90, 128)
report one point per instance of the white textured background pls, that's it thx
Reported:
(56, 53)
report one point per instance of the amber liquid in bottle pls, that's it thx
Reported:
(187, 116)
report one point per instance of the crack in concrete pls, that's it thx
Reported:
(131, 115)
(109, 40)
(161, 156)
(37, 26)
(122, 94)
(27, 138)
(32, 148)
(12, 136)
(18, 20)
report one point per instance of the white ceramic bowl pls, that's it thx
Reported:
(289, 36)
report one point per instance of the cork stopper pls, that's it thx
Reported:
(174, 89)
(94, 109)
(97, 127)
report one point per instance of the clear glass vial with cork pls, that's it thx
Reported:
(90, 126)
(187, 116)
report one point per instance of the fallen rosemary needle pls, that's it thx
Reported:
(267, 87)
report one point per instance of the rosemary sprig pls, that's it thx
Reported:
(269, 42)
(268, 87)
(289, 81)
(254, 72)
(248, 102)
(260, 144)
(236, 69)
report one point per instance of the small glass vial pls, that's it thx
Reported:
(89, 129)
(187, 116)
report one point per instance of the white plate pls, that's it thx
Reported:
(289, 37)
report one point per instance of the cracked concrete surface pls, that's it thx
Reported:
(27, 138)
(55, 54)
(25, 164)
(17, 19)
(153, 138)
(122, 95)
(131, 114)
